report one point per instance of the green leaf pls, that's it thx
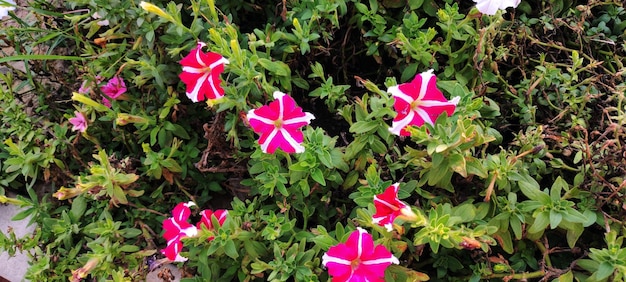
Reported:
(377, 145)
(588, 264)
(230, 249)
(364, 126)
(466, 212)
(475, 167)
(530, 188)
(457, 163)
(409, 72)
(277, 67)
(558, 186)
(171, 165)
(541, 222)
(516, 226)
(505, 241)
(567, 277)
(129, 248)
(130, 232)
(79, 205)
(119, 195)
(574, 233)
(254, 249)
(318, 176)
(23, 214)
(573, 215)
(555, 218)
(605, 270)
(415, 4)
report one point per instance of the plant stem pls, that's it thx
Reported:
(518, 276)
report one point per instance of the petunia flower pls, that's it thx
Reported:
(419, 102)
(79, 122)
(490, 7)
(278, 124)
(388, 207)
(113, 89)
(177, 228)
(358, 259)
(5, 7)
(206, 219)
(201, 74)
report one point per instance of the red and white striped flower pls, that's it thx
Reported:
(279, 123)
(177, 228)
(201, 74)
(419, 102)
(206, 219)
(358, 259)
(389, 207)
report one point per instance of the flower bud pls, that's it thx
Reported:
(124, 119)
(151, 8)
(67, 193)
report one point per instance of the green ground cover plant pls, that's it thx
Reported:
(316, 140)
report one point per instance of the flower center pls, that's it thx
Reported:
(355, 263)
(206, 69)
(278, 123)
(416, 104)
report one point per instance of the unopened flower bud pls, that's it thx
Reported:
(124, 119)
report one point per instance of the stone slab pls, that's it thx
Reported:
(13, 268)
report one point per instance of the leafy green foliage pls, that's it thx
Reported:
(531, 155)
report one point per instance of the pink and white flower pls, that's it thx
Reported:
(279, 123)
(358, 259)
(389, 207)
(419, 102)
(177, 228)
(201, 74)
(113, 89)
(490, 7)
(206, 219)
(79, 122)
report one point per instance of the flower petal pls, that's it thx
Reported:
(181, 212)
(172, 251)
(338, 260)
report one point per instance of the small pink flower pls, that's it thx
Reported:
(419, 102)
(388, 207)
(206, 219)
(201, 74)
(278, 124)
(176, 228)
(79, 122)
(114, 88)
(358, 259)
(490, 7)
